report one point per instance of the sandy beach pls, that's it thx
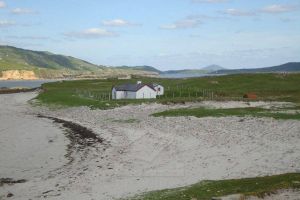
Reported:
(133, 152)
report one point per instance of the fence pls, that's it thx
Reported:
(169, 94)
(96, 95)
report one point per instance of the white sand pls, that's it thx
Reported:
(152, 153)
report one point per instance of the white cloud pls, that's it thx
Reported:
(117, 22)
(6, 23)
(20, 11)
(276, 8)
(189, 22)
(91, 33)
(237, 12)
(2, 4)
(209, 1)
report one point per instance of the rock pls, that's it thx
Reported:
(18, 75)
(230, 197)
(9, 195)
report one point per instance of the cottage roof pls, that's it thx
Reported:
(131, 87)
(154, 85)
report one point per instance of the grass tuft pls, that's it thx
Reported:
(239, 112)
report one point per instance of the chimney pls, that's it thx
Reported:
(139, 82)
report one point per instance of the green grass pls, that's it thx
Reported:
(205, 190)
(239, 112)
(232, 87)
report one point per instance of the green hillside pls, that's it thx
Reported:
(143, 68)
(47, 65)
(12, 58)
(287, 67)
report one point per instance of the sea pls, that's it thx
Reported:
(179, 76)
(23, 83)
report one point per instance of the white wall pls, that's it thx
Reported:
(159, 90)
(130, 95)
(118, 94)
(146, 93)
(113, 93)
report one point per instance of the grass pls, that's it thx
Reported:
(275, 87)
(239, 112)
(205, 190)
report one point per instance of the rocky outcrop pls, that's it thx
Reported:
(18, 75)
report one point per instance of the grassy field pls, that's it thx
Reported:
(95, 93)
(205, 190)
(239, 112)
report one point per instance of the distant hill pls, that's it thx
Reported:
(288, 67)
(143, 68)
(213, 68)
(17, 63)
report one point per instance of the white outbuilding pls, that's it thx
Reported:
(134, 91)
(158, 88)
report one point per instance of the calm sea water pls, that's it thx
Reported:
(23, 83)
(187, 75)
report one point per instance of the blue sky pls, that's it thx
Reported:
(167, 34)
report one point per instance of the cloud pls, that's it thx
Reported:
(189, 22)
(2, 4)
(237, 12)
(209, 1)
(91, 33)
(276, 9)
(6, 23)
(20, 11)
(118, 22)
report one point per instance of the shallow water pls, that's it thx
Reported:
(23, 83)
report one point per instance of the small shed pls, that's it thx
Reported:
(158, 88)
(134, 91)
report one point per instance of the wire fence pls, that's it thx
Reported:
(169, 94)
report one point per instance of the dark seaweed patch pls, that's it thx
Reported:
(10, 181)
(80, 137)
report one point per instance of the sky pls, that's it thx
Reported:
(166, 34)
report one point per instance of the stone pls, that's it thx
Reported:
(230, 197)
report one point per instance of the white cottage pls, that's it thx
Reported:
(134, 91)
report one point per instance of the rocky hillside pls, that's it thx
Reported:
(16, 63)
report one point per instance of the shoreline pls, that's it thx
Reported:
(17, 90)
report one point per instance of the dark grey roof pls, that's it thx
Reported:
(154, 84)
(131, 87)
